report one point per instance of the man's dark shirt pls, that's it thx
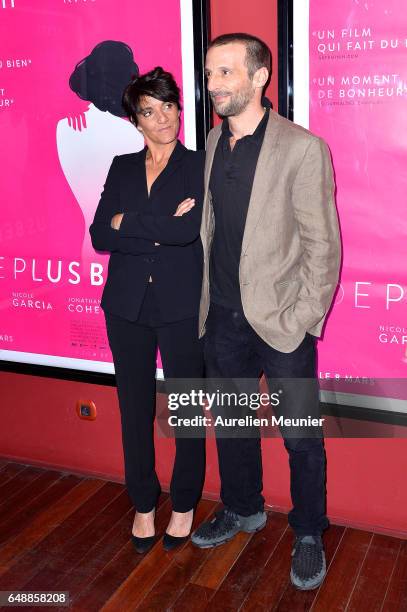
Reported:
(231, 185)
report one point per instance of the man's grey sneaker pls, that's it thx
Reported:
(308, 566)
(224, 526)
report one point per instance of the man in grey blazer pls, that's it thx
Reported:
(271, 263)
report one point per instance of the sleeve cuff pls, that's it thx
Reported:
(127, 225)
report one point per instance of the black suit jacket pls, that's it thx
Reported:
(176, 265)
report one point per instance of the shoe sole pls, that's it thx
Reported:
(262, 526)
(307, 588)
(231, 538)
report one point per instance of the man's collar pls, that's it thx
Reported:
(265, 102)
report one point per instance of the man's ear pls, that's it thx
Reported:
(260, 77)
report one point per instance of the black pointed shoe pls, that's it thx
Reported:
(143, 545)
(170, 542)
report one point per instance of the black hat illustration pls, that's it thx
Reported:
(102, 76)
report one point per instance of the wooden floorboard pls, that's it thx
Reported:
(273, 579)
(193, 597)
(59, 531)
(219, 562)
(293, 600)
(375, 574)
(158, 569)
(15, 488)
(24, 501)
(9, 471)
(68, 494)
(396, 595)
(108, 551)
(250, 565)
(56, 570)
(344, 571)
(51, 486)
(34, 560)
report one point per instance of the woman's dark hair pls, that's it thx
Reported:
(157, 83)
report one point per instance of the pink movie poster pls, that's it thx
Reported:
(63, 67)
(358, 104)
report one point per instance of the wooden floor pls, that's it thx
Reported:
(59, 531)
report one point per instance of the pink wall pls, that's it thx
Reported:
(366, 478)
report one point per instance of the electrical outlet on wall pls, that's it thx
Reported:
(86, 409)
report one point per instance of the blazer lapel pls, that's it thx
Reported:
(210, 154)
(134, 181)
(266, 173)
(207, 213)
(172, 165)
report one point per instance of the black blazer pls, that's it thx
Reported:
(176, 265)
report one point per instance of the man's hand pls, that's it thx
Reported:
(184, 207)
(116, 221)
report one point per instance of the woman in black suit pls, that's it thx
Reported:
(149, 218)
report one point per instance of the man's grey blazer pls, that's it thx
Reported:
(291, 250)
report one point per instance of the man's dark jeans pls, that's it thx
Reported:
(234, 350)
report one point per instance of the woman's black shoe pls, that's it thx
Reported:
(170, 542)
(142, 545)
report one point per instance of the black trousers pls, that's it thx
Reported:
(234, 350)
(134, 346)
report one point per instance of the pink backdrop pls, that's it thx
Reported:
(48, 199)
(358, 104)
